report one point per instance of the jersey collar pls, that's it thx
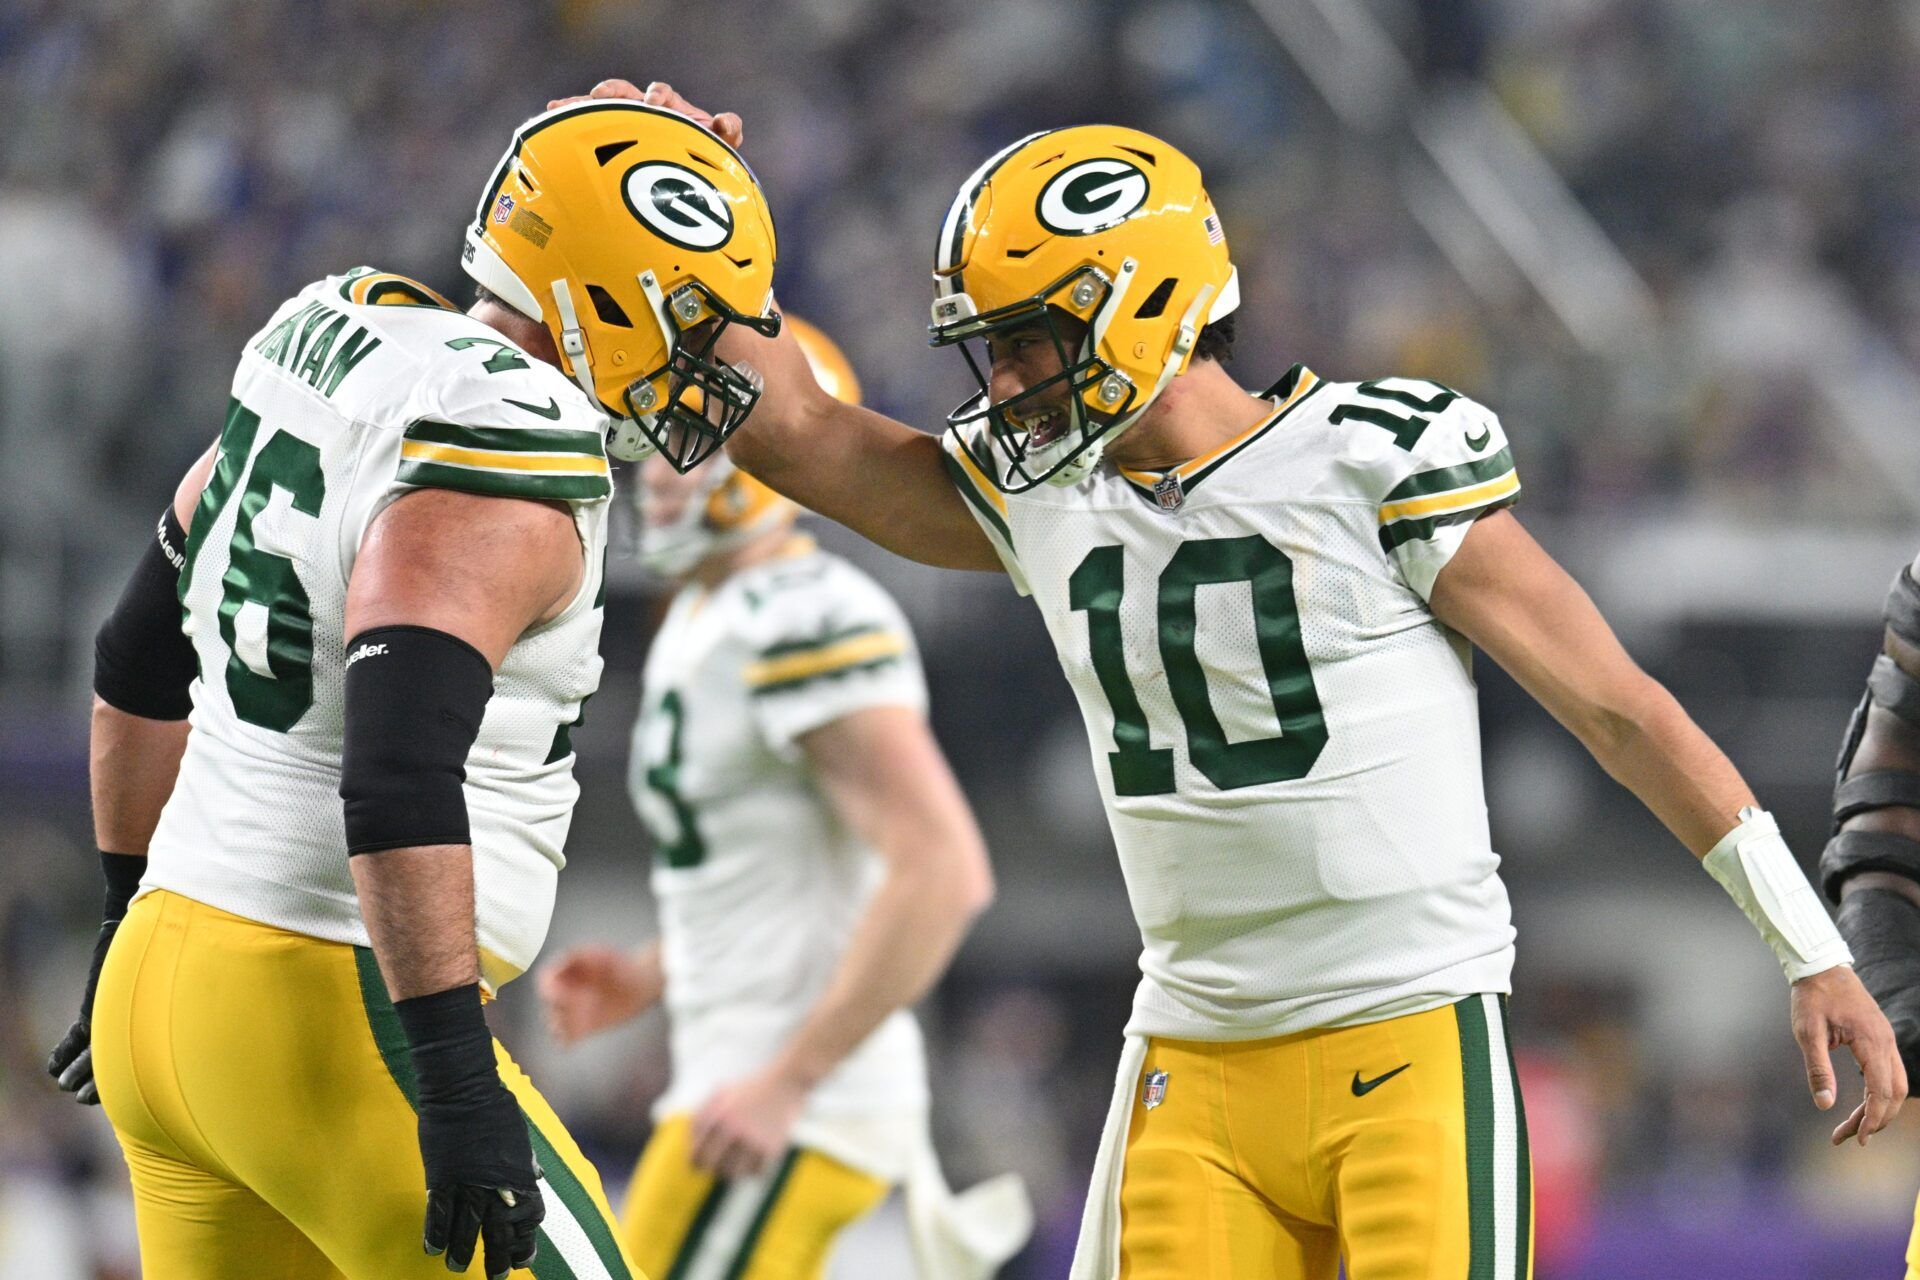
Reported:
(1299, 383)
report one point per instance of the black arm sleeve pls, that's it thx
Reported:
(143, 663)
(415, 699)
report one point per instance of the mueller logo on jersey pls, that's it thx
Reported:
(366, 651)
(1091, 196)
(678, 205)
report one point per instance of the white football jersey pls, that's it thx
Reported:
(359, 390)
(1287, 741)
(760, 884)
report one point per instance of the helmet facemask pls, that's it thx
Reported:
(1055, 430)
(705, 398)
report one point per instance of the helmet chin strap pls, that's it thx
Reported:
(1184, 338)
(574, 342)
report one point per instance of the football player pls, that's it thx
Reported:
(390, 566)
(816, 866)
(1871, 867)
(1266, 604)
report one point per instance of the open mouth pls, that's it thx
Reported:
(1043, 427)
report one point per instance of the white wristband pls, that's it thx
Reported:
(1755, 867)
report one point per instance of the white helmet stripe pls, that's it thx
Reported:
(953, 231)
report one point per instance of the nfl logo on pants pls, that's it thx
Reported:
(1154, 1091)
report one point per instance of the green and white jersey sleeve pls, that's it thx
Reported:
(760, 884)
(1459, 469)
(968, 461)
(825, 650)
(359, 390)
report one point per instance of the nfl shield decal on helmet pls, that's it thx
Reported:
(1154, 1092)
(503, 208)
(1169, 492)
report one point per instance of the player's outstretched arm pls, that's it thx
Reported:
(444, 584)
(143, 670)
(885, 776)
(590, 988)
(1871, 868)
(880, 478)
(1504, 593)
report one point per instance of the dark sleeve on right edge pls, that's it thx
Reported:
(143, 663)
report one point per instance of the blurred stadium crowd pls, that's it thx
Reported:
(172, 169)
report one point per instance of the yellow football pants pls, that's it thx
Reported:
(1398, 1148)
(259, 1084)
(1913, 1245)
(681, 1223)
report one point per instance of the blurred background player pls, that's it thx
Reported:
(1871, 867)
(1294, 779)
(391, 570)
(816, 866)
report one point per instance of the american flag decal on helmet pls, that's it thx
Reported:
(1215, 234)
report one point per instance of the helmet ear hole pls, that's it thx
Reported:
(609, 311)
(1156, 302)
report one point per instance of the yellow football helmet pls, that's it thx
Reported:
(1110, 227)
(731, 507)
(635, 236)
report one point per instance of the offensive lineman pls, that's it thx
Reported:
(1871, 867)
(816, 867)
(390, 568)
(1264, 604)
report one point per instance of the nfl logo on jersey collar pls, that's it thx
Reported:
(1169, 492)
(1154, 1092)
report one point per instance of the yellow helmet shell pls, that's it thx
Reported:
(1110, 225)
(619, 226)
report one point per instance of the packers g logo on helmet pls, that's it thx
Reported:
(1102, 240)
(636, 237)
(678, 205)
(1091, 196)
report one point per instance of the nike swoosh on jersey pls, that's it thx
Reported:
(1479, 442)
(1361, 1088)
(551, 411)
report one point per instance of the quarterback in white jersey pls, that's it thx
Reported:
(815, 867)
(377, 602)
(1264, 604)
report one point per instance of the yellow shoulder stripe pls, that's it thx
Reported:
(1459, 500)
(1186, 469)
(546, 464)
(981, 484)
(869, 647)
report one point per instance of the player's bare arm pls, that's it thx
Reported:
(884, 774)
(1872, 866)
(482, 570)
(1503, 592)
(138, 734)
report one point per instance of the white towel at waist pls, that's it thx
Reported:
(1097, 1255)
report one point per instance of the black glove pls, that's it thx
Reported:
(482, 1182)
(71, 1062)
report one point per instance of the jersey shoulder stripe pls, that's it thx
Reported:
(857, 649)
(368, 287)
(974, 485)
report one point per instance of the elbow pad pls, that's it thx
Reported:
(1883, 928)
(143, 663)
(414, 700)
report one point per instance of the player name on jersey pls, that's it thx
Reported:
(318, 344)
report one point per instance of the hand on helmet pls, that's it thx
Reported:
(726, 126)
